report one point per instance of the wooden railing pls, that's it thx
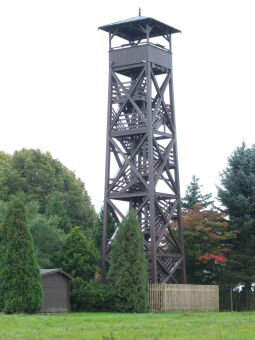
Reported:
(180, 297)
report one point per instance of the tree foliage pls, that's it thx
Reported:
(3, 208)
(193, 195)
(80, 258)
(96, 232)
(45, 180)
(88, 295)
(4, 159)
(207, 244)
(237, 194)
(128, 273)
(48, 237)
(20, 281)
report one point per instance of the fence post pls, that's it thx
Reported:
(231, 299)
(165, 297)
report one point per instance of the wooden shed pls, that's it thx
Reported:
(56, 290)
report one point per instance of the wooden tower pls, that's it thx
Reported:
(141, 147)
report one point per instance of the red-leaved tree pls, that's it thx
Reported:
(206, 242)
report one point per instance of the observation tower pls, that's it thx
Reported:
(141, 146)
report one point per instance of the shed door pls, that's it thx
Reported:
(55, 293)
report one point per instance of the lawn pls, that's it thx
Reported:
(129, 326)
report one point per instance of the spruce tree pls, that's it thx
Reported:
(193, 195)
(20, 273)
(128, 273)
(237, 195)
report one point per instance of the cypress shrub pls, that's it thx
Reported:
(20, 275)
(127, 277)
(80, 258)
(1, 265)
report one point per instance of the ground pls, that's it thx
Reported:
(111, 326)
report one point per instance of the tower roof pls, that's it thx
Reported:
(129, 29)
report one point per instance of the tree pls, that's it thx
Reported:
(1, 266)
(3, 207)
(55, 207)
(96, 233)
(4, 159)
(48, 239)
(79, 256)
(45, 180)
(207, 244)
(237, 195)
(80, 259)
(47, 235)
(20, 281)
(127, 277)
(193, 195)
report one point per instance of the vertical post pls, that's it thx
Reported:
(177, 179)
(151, 174)
(147, 34)
(165, 297)
(110, 41)
(231, 299)
(107, 164)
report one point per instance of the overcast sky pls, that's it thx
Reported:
(54, 73)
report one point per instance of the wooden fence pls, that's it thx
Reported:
(180, 297)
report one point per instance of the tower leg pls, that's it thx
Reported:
(151, 175)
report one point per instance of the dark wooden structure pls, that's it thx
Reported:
(56, 290)
(141, 147)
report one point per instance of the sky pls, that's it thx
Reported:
(54, 81)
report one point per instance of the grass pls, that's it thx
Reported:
(111, 326)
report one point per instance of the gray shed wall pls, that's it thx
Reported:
(56, 293)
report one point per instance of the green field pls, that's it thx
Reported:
(129, 326)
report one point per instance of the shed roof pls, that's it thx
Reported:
(129, 29)
(45, 272)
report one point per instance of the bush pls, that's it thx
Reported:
(87, 296)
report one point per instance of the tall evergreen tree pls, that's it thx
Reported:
(2, 237)
(193, 195)
(96, 232)
(128, 273)
(237, 194)
(20, 281)
(79, 258)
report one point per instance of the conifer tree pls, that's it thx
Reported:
(193, 195)
(128, 273)
(1, 266)
(20, 279)
(237, 195)
(96, 232)
(79, 256)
